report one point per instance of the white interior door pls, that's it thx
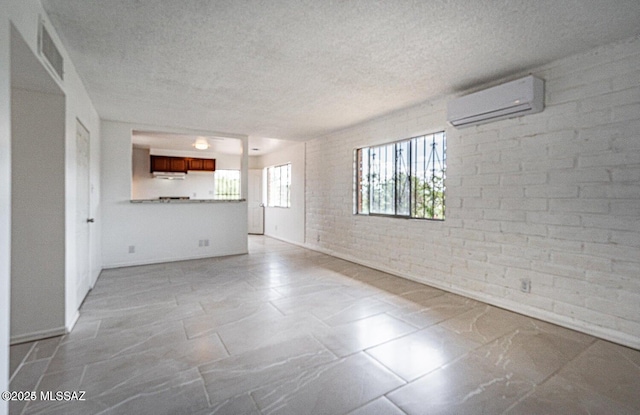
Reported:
(83, 212)
(254, 202)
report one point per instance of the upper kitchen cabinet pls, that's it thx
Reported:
(202, 164)
(181, 164)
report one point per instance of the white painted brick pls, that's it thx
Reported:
(524, 204)
(507, 239)
(580, 120)
(496, 146)
(508, 261)
(526, 252)
(583, 314)
(614, 252)
(548, 164)
(630, 327)
(579, 233)
(537, 278)
(628, 308)
(521, 179)
(501, 192)
(608, 158)
(552, 191)
(572, 297)
(494, 290)
(582, 261)
(553, 218)
(626, 81)
(480, 180)
(499, 167)
(525, 152)
(531, 299)
(551, 196)
(622, 223)
(482, 225)
(550, 268)
(579, 205)
(524, 228)
(626, 112)
(554, 244)
(577, 176)
(481, 203)
(504, 215)
(626, 238)
(589, 287)
(565, 108)
(614, 99)
(583, 144)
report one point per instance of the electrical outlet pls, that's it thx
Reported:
(201, 243)
(132, 249)
(318, 238)
(525, 285)
(206, 242)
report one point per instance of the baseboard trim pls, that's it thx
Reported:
(166, 260)
(37, 335)
(567, 322)
(74, 319)
(277, 238)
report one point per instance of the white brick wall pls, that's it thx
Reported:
(554, 197)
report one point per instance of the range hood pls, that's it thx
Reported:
(169, 175)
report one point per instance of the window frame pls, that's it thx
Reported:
(215, 184)
(280, 186)
(365, 173)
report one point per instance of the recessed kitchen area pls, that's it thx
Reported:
(169, 167)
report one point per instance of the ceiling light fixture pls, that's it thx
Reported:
(201, 144)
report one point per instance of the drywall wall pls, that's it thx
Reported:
(160, 232)
(23, 17)
(552, 197)
(288, 223)
(37, 220)
(5, 201)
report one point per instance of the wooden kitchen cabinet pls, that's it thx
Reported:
(202, 164)
(168, 164)
(181, 164)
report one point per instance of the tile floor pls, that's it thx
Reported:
(286, 330)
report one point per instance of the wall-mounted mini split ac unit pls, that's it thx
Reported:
(512, 99)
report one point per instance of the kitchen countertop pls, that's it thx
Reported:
(182, 201)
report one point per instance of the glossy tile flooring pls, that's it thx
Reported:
(286, 330)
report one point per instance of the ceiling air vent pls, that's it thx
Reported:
(49, 51)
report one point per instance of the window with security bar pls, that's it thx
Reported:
(227, 184)
(279, 186)
(403, 179)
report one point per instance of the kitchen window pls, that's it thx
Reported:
(403, 179)
(227, 184)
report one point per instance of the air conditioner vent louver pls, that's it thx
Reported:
(512, 99)
(50, 52)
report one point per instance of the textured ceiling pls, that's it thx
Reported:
(295, 69)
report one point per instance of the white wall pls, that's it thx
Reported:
(5, 201)
(24, 15)
(554, 197)
(288, 224)
(167, 231)
(196, 185)
(37, 220)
